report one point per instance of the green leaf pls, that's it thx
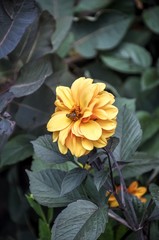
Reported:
(139, 164)
(62, 28)
(46, 188)
(149, 124)
(80, 220)
(151, 18)
(154, 190)
(58, 8)
(125, 102)
(23, 14)
(36, 42)
(32, 76)
(44, 230)
(129, 133)
(87, 5)
(139, 36)
(151, 146)
(35, 110)
(48, 151)
(72, 180)
(38, 165)
(150, 79)
(100, 178)
(36, 206)
(5, 98)
(6, 128)
(104, 34)
(128, 58)
(17, 149)
(132, 87)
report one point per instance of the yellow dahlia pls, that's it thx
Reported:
(84, 117)
(133, 189)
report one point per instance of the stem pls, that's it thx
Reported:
(132, 219)
(140, 234)
(118, 218)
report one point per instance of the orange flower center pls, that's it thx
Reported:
(75, 113)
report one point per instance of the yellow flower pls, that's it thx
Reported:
(133, 189)
(84, 117)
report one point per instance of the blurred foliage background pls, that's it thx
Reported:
(48, 43)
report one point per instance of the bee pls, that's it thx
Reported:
(73, 116)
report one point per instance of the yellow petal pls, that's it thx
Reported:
(55, 136)
(107, 124)
(140, 191)
(78, 86)
(111, 111)
(103, 99)
(101, 142)
(64, 93)
(63, 134)
(107, 134)
(76, 130)
(74, 144)
(133, 186)
(99, 87)
(58, 122)
(86, 96)
(91, 130)
(100, 113)
(63, 149)
(87, 144)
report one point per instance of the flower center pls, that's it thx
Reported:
(75, 114)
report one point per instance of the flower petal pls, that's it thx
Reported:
(100, 113)
(101, 142)
(107, 124)
(63, 134)
(111, 111)
(74, 144)
(78, 86)
(87, 144)
(91, 130)
(58, 122)
(76, 130)
(64, 93)
(63, 149)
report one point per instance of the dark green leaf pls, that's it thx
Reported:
(32, 76)
(104, 34)
(125, 102)
(48, 151)
(17, 149)
(80, 220)
(58, 8)
(14, 26)
(138, 164)
(150, 79)
(6, 128)
(129, 133)
(46, 188)
(154, 190)
(149, 124)
(36, 109)
(62, 28)
(5, 98)
(38, 165)
(151, 18)
(128, 58)
(72, 180)
(87, 5)
(100, 178)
